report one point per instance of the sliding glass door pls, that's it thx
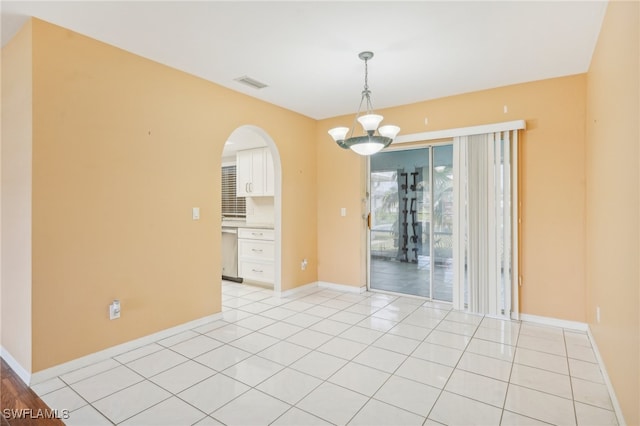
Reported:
(443, 222)
(411, 222)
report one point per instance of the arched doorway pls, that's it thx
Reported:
(250, 147)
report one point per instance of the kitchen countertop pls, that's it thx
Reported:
(244, 224)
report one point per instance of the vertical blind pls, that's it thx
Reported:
(232, 206)
(483, 223)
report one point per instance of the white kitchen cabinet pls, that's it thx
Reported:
(269, 184)
(254, 173)
(256, 255)
(266, 234)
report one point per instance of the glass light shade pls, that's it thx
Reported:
(370, 121)
(389, 131)
(339, 133)
(366, 148)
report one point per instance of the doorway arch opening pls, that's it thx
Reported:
(262, 210)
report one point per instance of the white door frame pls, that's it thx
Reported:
(277, 202)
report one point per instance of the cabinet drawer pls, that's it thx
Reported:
(257, 249)
(256, 234)
(256, 271)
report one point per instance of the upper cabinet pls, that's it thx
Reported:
(254, 173)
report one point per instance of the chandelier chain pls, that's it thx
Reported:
(366, 75)
(366, 93)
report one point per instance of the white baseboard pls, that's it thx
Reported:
(291, 292)
(342, 287)
(22, 372)
(84, 361)
(614, 399)
(555, 322)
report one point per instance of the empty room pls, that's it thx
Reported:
(310, 212)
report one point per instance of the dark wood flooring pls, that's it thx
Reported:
(16, 395)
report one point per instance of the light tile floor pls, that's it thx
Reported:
(325, 357)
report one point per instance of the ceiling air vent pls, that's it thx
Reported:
(251, 82)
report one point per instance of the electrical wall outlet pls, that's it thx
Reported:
(598, 314)
(114, 310)
(303, 264)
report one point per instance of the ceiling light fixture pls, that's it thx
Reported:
(370, 143)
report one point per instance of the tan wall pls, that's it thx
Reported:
(123, 148)
(16, 197)
(613, 244)
(340, 184)
(552, 195)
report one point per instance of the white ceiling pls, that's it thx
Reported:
(306, 51)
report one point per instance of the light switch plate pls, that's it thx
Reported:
(195, 213)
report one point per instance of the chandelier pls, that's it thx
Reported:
(369, 143)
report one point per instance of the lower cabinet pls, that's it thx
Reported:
(256, 255)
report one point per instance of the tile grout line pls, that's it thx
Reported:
(289, 366)
(573, 396)
(269, 377)
(387, 332)
(352, 359)
(350, 326)
(442, 390)
(513, 361)
(397, 368)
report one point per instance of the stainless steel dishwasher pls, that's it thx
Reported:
(230, 254)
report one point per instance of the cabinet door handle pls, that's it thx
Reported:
(257, 234)
(256, 250)
(257, 270)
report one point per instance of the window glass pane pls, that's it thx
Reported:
(232, 206)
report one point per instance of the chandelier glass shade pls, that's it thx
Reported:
(370, 142)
